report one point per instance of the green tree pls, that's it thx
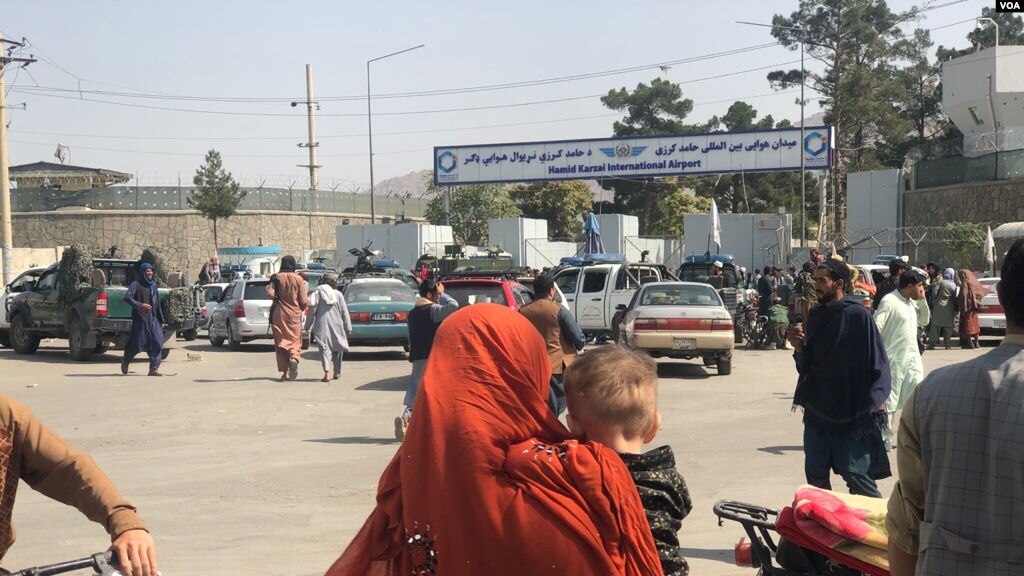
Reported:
(472, 205)
(657, 108)
(677, 203)
(217, 195)
(759, 192)
(860, 46)
(563, 204)
(964, 239)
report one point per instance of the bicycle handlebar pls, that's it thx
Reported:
(101, 562)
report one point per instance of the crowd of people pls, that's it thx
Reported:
(488, 479)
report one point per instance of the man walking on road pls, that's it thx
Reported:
(560, 331)
(147, 334)
(898, 316)
(430, 309)
(843, 386)
(958, 503)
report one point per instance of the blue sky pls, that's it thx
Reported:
(242, 51)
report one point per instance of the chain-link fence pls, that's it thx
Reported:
(175, 198)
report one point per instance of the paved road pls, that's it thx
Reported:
(236, 472)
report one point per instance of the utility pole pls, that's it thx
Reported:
(311, 107)
(5, 175)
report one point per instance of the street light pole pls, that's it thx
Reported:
(369, 121)
(978, 22)
(803, 121)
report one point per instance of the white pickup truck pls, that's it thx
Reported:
(598, 292)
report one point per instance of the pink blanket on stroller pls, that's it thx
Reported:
(851, 525)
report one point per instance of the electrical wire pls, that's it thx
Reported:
(42, 91)
(403, 132)
(439, 92)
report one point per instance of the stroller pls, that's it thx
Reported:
(777, 546)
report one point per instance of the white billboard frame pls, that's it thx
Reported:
(748, 151)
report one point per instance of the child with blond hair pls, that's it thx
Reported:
(612, 399)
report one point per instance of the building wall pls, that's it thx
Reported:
(873, 204)
(987, 203)
(183, 238)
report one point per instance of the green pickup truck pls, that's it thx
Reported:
(97, 319)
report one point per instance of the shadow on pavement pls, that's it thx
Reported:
(395, 384)
(683, 370)
(249, 379)
(708, 554)
(365, 440)
(780, 450)
(62, 356)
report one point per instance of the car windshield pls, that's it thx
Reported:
(700, 272)
(680, 295)
(256, 291)
(466, 294)
(395, 291)
(212, 293)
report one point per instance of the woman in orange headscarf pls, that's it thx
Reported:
(488, 481)
(969, 302)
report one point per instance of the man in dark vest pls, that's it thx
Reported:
(430, 309)
(561, 334)
(843, 385)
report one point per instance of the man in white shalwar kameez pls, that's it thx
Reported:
(331, 324)
(898, 317)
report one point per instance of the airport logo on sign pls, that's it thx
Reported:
(623, 150)
(815, 143)
(447, 162)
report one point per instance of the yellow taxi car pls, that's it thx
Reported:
(679, 320)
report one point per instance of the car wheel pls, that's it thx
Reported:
(189, 335)
(232, 343)
(709, 360)
(216, 341)
(725, 366)
(22, 341)
(77, 333)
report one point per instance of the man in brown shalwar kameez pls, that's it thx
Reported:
(31, 452)
(288, 291)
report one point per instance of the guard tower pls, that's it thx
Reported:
(983, 93)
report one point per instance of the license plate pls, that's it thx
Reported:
(380, 316)
(999, 323)
(684, 343)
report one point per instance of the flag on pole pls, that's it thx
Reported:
(716, 225)
(990, 248)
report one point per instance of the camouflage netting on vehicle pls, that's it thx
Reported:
(75, 265)
(153, 257)
(178, 306)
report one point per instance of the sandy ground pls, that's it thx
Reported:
(235, 472)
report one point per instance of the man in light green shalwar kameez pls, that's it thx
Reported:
(898, 317)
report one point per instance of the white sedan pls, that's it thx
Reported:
(679, 320)
(991, 318)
